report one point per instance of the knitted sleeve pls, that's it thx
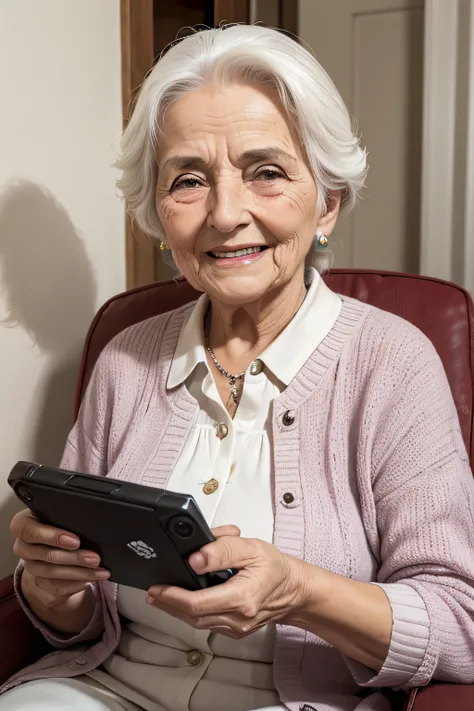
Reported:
(423, 492)
(85, 452)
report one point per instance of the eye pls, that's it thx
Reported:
(186, 183)
(269, 174)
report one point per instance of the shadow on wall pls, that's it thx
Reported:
(49, 288)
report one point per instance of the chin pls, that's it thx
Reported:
(238, 289)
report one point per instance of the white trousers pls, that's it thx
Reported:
(70, 695)
(63, 695)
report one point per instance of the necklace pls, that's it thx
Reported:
(231, 378)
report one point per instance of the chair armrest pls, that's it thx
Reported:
(20, 642)
(441, 697)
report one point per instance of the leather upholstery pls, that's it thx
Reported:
(20, 642)
(442, 697)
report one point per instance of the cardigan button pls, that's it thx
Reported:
(288, 418)
(288, 497)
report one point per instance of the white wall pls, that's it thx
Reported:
(61, 224)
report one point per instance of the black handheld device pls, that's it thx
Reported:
(143, 535)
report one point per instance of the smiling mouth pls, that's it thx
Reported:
(237, 253)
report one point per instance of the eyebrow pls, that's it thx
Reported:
(182, 162)
(270, 154)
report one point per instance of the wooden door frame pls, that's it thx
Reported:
(231, 11)
(288, 10)
(136, 30)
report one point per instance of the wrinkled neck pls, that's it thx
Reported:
(240, 333)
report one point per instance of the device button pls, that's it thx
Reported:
(195, 657)
(24, 493)
(222, 430)
(256, 367)
(82, 661)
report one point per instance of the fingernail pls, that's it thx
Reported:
(149, 600)
(102, 573)
(91, 560)
(69, 541)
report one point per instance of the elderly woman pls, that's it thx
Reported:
(318, 434)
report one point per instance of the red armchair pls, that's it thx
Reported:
(443, 311)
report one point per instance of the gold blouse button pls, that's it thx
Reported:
(222, 430)
(195, 657)
(210, 486)
(256, 367)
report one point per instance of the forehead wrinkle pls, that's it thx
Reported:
(228, 142)
(270, 154)
(252, 118)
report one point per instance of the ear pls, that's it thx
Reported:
(328, 221)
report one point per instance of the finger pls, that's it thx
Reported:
(235, 595)
(171, 610)
(227, 632)
(55, 556)
(198, 560)
(26, 527)
(225, 552)
(217, 624)
(62, 572)
(226, 531)
(55, 592)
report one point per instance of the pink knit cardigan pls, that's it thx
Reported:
(371, 451)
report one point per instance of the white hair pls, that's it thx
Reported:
(251, 53)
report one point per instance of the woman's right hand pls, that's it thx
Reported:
(56, 571)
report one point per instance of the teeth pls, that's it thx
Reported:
(239, 253)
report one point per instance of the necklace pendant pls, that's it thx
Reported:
(234, 393)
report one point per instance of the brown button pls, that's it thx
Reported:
(195, 657)
(256, 367)
(288, 497)
(288, 418)
(210, 486)
(222, 430)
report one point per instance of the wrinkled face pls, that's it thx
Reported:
(234, 194)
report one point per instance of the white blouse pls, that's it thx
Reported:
(231, 478)
(226, 464)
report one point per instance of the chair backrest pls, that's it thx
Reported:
(443, 311)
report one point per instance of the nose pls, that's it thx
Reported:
(227, 208)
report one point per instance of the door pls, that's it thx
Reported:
(373, 51)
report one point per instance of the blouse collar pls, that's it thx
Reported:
(285, 356)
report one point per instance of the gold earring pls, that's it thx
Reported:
(163, 246)
(320, 242)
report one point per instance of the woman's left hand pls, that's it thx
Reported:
(268, 586)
